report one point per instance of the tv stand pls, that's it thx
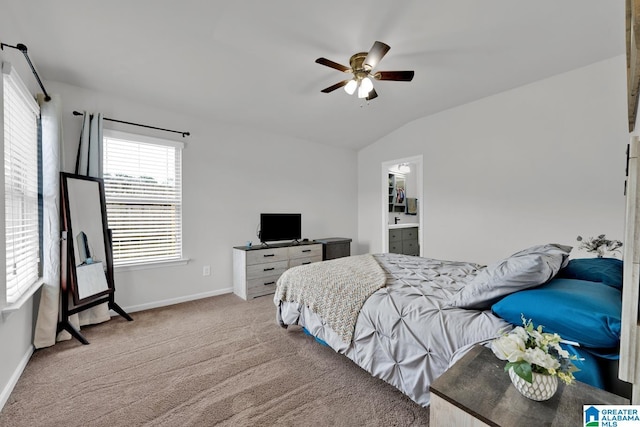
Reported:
(292, 243)
(257, 269)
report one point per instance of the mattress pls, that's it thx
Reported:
(405, 334)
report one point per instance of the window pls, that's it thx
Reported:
(21, 206)
(143, 192)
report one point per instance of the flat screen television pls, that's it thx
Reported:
(280, 226)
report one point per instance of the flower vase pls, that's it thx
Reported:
(543, 387)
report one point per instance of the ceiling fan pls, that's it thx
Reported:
(362, 65)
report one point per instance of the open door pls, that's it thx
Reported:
(402, 206)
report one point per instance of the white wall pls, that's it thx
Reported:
(540, 163)
(231, 174)
(16, 336)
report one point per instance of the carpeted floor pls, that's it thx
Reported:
(216, 361)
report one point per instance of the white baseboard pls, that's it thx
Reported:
(164, 303)
(6, 392)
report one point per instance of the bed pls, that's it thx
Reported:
(407, 319)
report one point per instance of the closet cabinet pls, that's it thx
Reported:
(404, 241)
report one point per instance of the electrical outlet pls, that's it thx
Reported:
(206, 270)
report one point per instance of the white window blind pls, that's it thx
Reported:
(21, 185)
(143, 192)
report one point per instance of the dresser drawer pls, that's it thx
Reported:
(410, 247)
(395, 235)
(395, 247)
(409, 233)
(304, 261)
(260, 256)
(261, 286)
(305, 251)
(267, 269)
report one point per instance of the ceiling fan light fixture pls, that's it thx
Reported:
(366, 84)
(350, 87)
(362, 66)
(365, 87)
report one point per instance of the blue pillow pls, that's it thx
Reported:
(589, 372)
(605, 270)
(577, 310)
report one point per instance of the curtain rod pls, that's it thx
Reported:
(77, 113)
(22, 48)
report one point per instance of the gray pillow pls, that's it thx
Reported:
(524, 269)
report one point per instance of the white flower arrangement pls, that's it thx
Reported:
(527, 350)
(600, 245)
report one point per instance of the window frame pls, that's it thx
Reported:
(35, 280)
(141, 263)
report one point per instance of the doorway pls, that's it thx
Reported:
(402, 205)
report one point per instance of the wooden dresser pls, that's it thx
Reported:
(476, 391)
(257, 269)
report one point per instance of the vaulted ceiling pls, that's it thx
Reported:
(251, 63)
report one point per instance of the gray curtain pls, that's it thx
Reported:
(89, 159)
(89, 163)
(52, 140)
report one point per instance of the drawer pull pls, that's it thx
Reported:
(268, 269)
(269, 283)
(305, 263)
(306, 250)
(268, 255)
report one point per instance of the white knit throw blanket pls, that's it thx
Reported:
(334, 289)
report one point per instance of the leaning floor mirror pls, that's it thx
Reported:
(87, 262)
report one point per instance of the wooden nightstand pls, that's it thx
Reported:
(476, 391)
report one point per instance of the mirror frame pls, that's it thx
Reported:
(96, 187)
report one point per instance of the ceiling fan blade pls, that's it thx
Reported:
(378, 50)
(331, 64)
(373, 94)
(399, 76)
(335, 86)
